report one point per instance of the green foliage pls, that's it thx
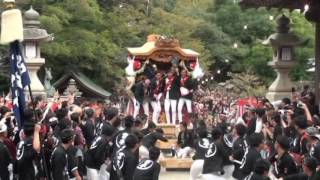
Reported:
(250, 27)
(92, 35)
(305, 30)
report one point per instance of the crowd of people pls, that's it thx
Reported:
(208, 104)
(262, 140)
(78, 139)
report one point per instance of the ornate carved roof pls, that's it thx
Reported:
(162, 49)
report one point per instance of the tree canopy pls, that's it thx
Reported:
(91, 35)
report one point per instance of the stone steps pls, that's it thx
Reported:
(170, 131)
(168, 162)
(166, 145)
(174, 164)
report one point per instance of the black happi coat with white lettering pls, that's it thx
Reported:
(124, 164)
(185, 139)
(239, 147)
(59, 164)
(284, 165)
(88, 131)
(147, 170)
(248, 162)
(201, 146)
(303, 176)
(300, 145)
(213, 159)
(26, 156)
(226, 148)
(97, 153)
(255, 176)
(5, 160)
(119, 140)
(150, 139)
(315, 151)
(72, 161)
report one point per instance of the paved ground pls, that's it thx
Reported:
(174, 175)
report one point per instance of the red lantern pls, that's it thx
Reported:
(136, 65)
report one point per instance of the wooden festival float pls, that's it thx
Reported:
(160, 54)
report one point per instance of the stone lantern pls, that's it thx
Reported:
(33, 37)
(72, 89)
(283, 43)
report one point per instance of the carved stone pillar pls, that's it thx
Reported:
(283, 43)
(33, 37)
